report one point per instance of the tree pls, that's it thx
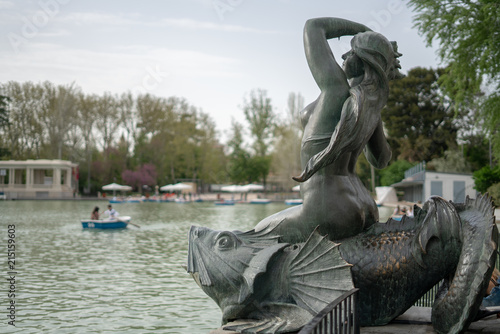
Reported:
(24, 134)
(286, 156)
(261, 118)
(237, 167)
(86, 117)
(486, 177)
(395, 172)
(58, 117)
(260, 115)
(4, 122)
(453, 161)
(4, 111)
(419, 122)
(144, 176)
(469, 43)
(108, 121)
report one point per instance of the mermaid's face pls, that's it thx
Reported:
(353, 65)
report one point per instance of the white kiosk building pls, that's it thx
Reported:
(38, 179)
(419, 184)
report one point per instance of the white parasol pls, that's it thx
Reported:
(177, 186)
(234, 188)
(252, 187)
(116, 187)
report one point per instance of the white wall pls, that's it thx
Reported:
(447, 180)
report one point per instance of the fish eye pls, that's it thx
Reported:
(224, 242)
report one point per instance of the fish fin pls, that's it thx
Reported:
(318, 274)
(261, 237)
(272, 318)
(458, 303)
(438, 219)
(257, 266)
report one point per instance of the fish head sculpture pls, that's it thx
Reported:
(275, 287)
(225, 266)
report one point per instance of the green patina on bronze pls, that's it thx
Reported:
(276, 287)
(276, 277)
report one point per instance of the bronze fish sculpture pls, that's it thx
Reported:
(276, 287)
(281, 286)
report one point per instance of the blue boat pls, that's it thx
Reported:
(224, 202)
(260, 201)
(120, 222)
(295, 201)
(114, 201)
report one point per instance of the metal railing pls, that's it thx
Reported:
(420, 167)
(339, 317)
(427, 300)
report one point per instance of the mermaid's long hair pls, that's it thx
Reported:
(362, 109)
(379, 57)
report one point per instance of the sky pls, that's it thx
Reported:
(213, 53)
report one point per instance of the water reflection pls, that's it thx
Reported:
(72, 280)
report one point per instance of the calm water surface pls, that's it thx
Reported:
(71, 280)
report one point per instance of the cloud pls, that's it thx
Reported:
(200, 25)
(92, 18)
(86, 18)
(118, 70)
(6, 4)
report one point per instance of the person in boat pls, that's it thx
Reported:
(95, 214)
(112, 213)
(341, 123)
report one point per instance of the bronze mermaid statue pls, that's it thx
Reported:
(277, 276)
(341, 123)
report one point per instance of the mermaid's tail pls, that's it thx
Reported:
(459, 298)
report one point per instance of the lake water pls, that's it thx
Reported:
(71, 280)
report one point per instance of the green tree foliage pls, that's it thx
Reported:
(453, 161)
(486, 177)
(24, 136)
(108, 134)
(178, 139)
(4, 111)
(395, 172)
(419, 123)
(363, 170)
(261, 118)
(469, 43)
(239, 158)
(288, 134)
(494, 191)
(59, 117)
(4, 122)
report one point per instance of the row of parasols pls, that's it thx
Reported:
(169, 187)
(182, 186)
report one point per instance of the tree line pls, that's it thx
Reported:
(141, 140)
(112, 137)
(447, 117)
(147, 140)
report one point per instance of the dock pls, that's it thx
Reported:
(417, 320)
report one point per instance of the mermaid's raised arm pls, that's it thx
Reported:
(325, 70)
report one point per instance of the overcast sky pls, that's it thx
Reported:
(211, 52)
